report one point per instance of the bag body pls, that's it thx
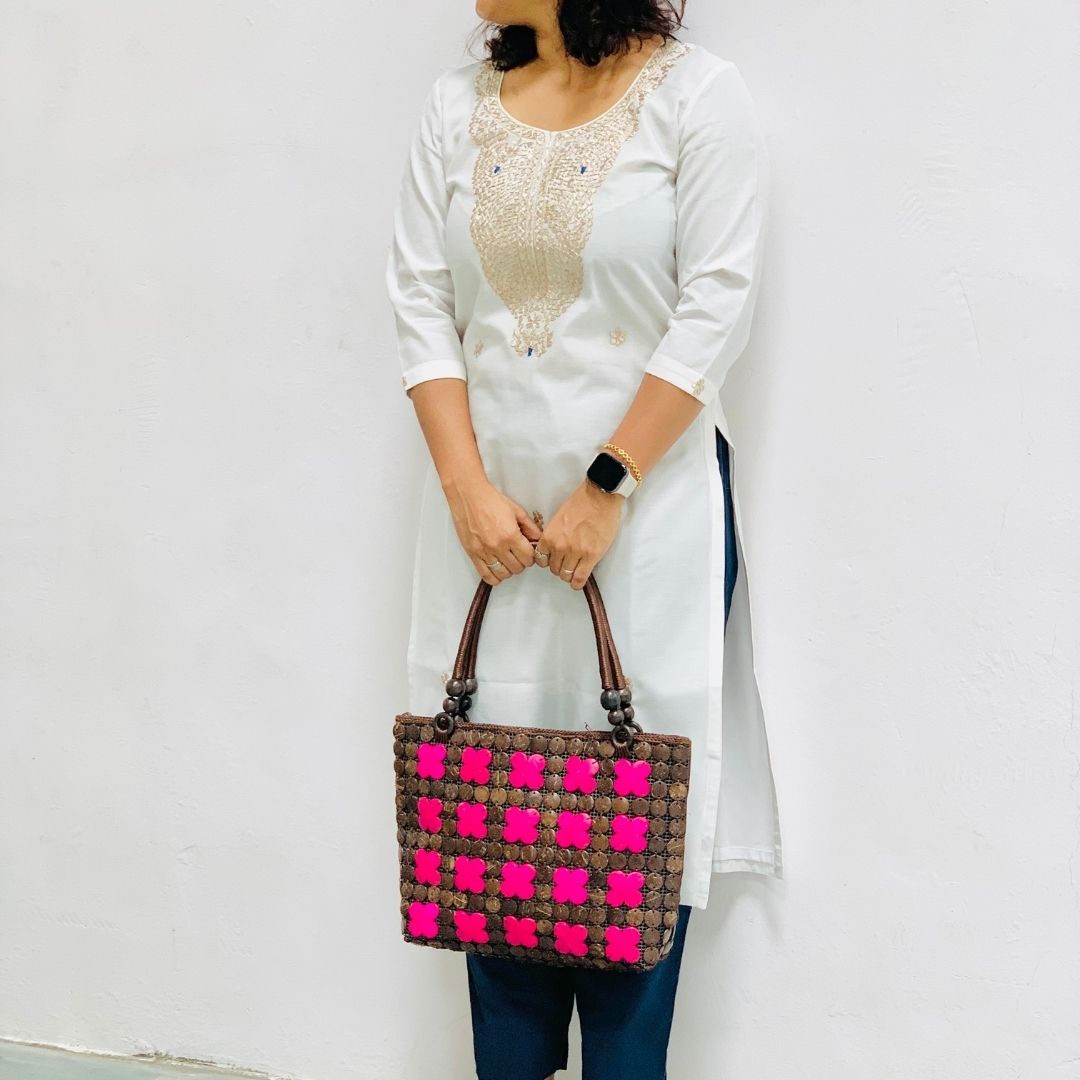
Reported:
(560, 847)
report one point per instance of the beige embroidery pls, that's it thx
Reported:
(617, 336)
(534, 188)
(478, 348)
(698, 387)
(404, 381)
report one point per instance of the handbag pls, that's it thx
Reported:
(545, 845)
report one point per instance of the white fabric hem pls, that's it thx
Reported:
(433, 369)
(754, 860)
(683, 376)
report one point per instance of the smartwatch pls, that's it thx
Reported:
(610, 474)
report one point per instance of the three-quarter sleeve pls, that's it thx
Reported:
(418, 279)
(721, 198)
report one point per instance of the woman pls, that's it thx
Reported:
(576, 257)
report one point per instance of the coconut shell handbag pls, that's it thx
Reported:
(561, 847)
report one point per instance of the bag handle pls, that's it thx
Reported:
(615, 695)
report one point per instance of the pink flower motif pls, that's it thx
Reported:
(570, 885)
(570, 938)
(426, 866)
(474, 764)
(573, 830)
(632, 777)
(469, 874)
(471, 926)
(622, 943)
(521, 824)
(470, 819)
(429, 813)
(517, 880)
(431, 757)
(581, 774)
(423, 919)
(526, 770)
(520, 932)
(628, 833)
(624, 888)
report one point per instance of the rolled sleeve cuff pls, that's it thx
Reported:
(683, 376)
(433, 369)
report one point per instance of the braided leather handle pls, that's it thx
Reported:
(615, 696)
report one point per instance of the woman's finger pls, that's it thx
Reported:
(495, 566)
(581, 574)
(541, 557)
(521, 552)
(483, 571)
(555, 563)
(569, 565)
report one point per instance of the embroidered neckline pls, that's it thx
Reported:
(650, 61)
(533, 192)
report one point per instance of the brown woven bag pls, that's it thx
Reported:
(559, 847)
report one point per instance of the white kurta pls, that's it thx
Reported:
(551, 270)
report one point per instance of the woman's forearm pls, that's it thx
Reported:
(442, 410)
(658, 415)
(496, 532)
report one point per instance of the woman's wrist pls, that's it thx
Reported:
(462, 481)
(598, 495)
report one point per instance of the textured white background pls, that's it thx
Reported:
(208, 496)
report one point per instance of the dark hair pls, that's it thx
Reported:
(591, 30)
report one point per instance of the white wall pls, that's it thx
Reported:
(207, 504)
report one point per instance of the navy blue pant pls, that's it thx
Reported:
(521, 1016)
(723, 453)
(521, 1012)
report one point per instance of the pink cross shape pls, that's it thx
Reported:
(632, 777)
(429, 813)
(521, 824)
(471, 926)
(423, 919)
(581, 774)
(470, 819)
(469, 874)
(517, 880)
(526, 770)
(426, 866)
(570, 885)
(570, 938)
(520, 931)
(628, 833)
(573, 830)
(474, 764)
(430, 764)
(624, 888)
(622, 943)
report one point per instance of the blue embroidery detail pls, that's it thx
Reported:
(583, 168)
(529, 353)
(496, 169)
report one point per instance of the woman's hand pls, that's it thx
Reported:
(491, 526)
(579, 534)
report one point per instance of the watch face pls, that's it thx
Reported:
(606, 471)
